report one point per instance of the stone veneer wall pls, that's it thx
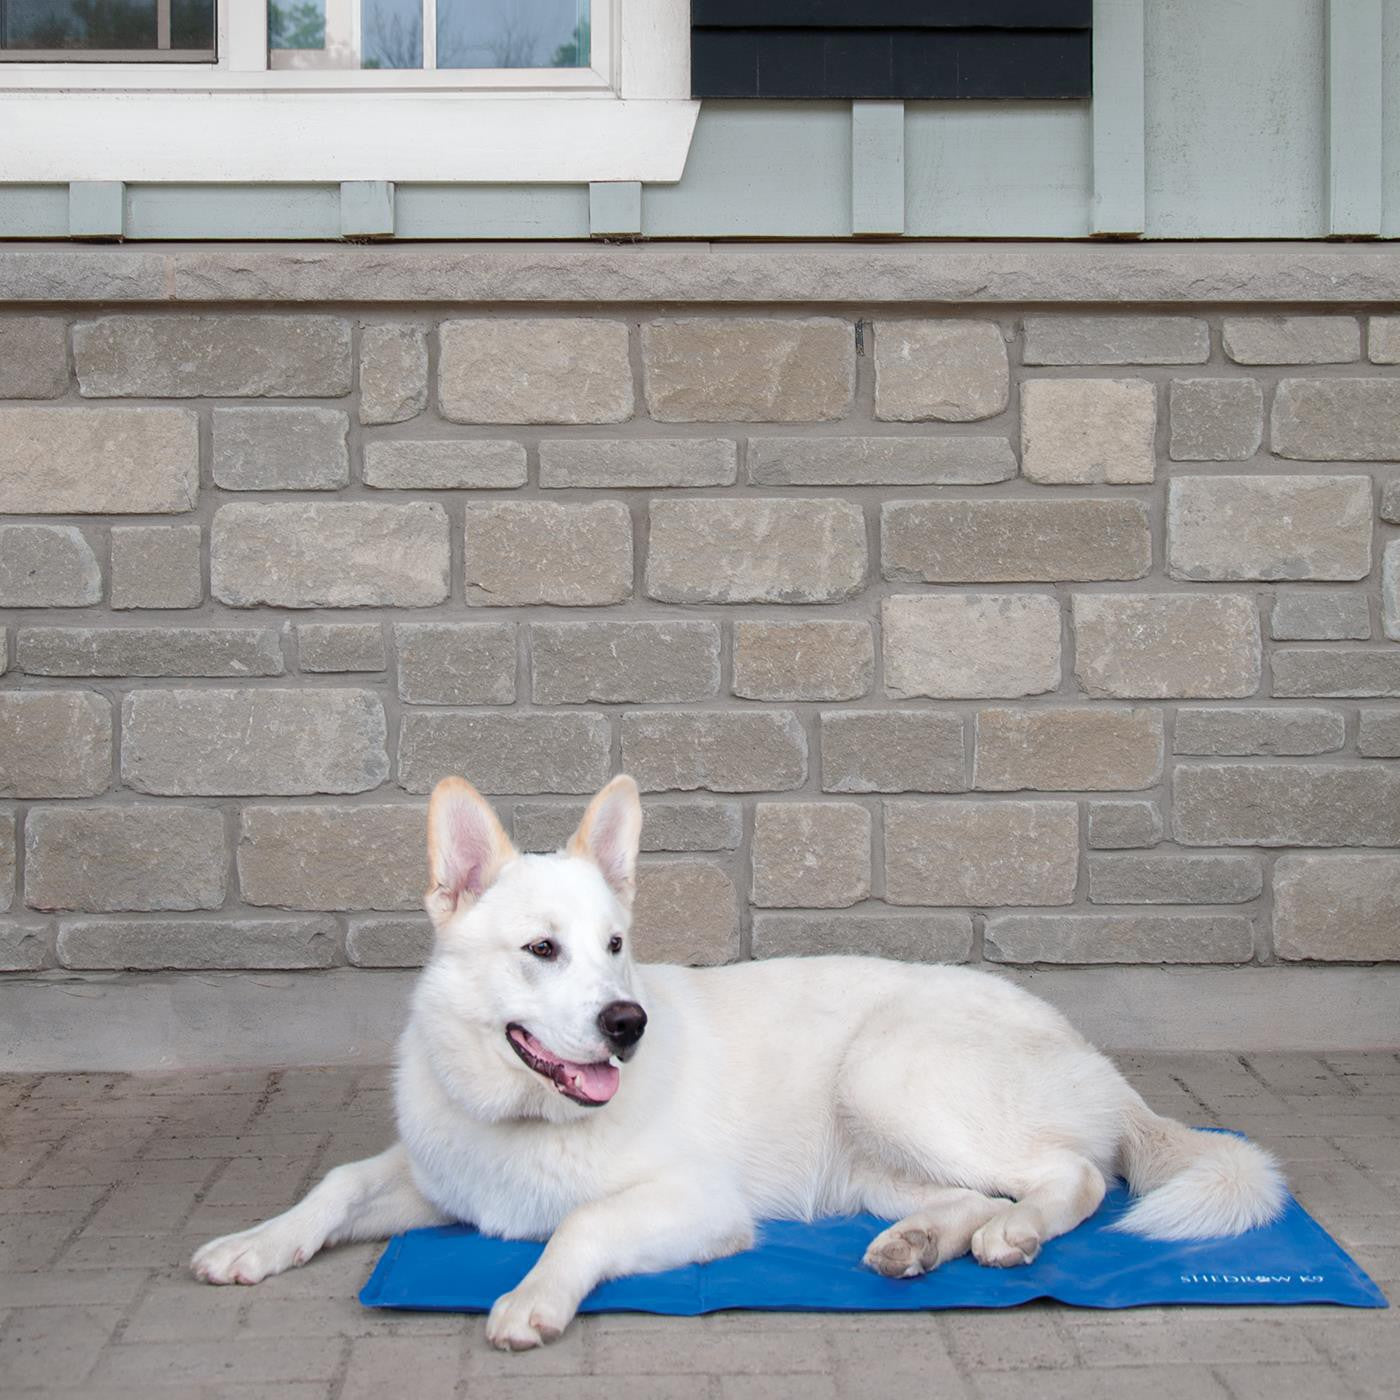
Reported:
(977, 633)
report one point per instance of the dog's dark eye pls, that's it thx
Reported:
(615, 943)
(543, 948)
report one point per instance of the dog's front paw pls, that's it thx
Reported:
(903, 1252)
(526, 1317)
(250, 1256)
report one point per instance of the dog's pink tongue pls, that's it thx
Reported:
(597, 1082)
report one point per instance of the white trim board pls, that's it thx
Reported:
(231, 1020)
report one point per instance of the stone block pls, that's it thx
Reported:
(1079, 431)
(1320, 615)
(1286, 804)
(1014, 541)
(981, 853)
(7, 860)
(143, 855)
(1167, 645)
(24, 945)
(623, 662)
(1337, 908)
(157, 566)
(1174, 877)
(970, 645)
(1269, 527)
(150, 945)
(1215, 420)
(98, 461)
(810, 855)
(47, 566)
(471, 464)
(219, 356)
(687, 911)
(755, 551)
(953, 371)
(676, 825)
(831, 659)
(565, 369)
(1281, 730)
(1335, 673)
(456, 663)
(906, 750)
(372, 942)
(243, 742)
(1116, 826)
(880, 461)
(1292, 340)
(1120, 938)
(393, 373)
(504, 753)
(520, 553)
(33, 357)
(1390, 591)
(1385, 340)
(1379, 734)
(149, 651)
(1067, 749)
(1337, 420)
(718, 369)
(341, 646)
(638, 462)
(334, 857)
(281, 449)
(1115, 340)
(346, 554)
(55, 743)
(926, 936)
(721, 750)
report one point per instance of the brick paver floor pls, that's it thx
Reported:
(107, 1182)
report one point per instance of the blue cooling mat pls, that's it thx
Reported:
(796, 1267)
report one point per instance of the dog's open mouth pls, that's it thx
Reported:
(591, 1084)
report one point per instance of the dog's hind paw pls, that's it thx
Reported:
(249, 1256)
(1006, 1241)
(903, 1252)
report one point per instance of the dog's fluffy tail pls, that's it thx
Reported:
(1191, 1184)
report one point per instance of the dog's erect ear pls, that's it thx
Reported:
(609, 833)
(467, 846)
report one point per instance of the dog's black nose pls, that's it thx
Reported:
(622, 1022)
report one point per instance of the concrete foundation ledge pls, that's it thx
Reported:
(983, 273)
(175, 1021)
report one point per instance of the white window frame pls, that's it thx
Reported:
(626, 117)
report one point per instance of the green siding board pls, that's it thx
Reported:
(877, 167)
(1390, 120)
(491, 211)
(760, 170)
(1120, 172)
(232, 211)
(1236, 119)
(993, 170)
(33, 211)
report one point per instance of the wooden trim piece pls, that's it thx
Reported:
(366, 209)
(877, 167)
(614, 208)
(96, 209)
(1354, 106)
(1119, 119)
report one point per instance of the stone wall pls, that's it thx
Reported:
(1025, 635)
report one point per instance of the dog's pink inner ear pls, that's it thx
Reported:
(467, 849)
(609, 833)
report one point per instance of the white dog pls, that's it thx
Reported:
(531, 1105)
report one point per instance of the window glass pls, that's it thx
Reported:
(125, 30)
(468, 33)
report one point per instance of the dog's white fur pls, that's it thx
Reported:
(944, 1098)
